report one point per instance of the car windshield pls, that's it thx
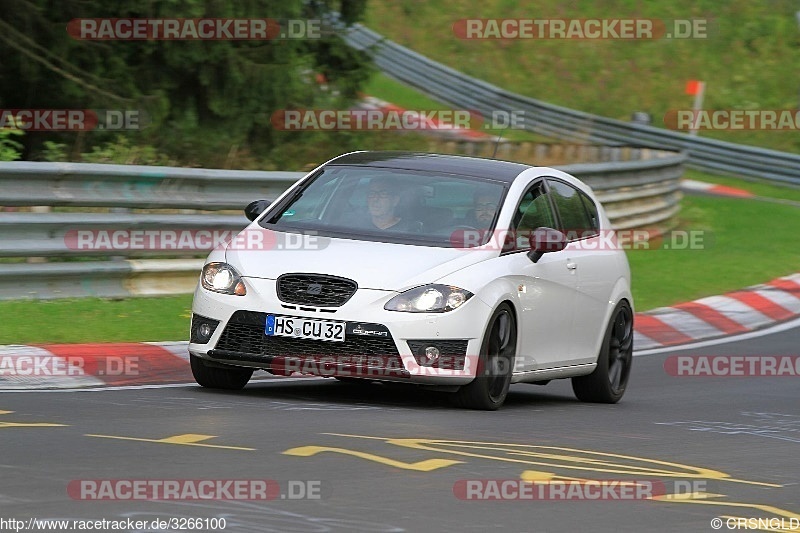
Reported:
(392, 205)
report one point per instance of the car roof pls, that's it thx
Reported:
(453, 164)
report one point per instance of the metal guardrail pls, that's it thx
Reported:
(56, 234)
(106, 279)
(458, 89)
(80, 185)
(635, 193)
(133, 186)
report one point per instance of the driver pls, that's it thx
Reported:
(383, 197)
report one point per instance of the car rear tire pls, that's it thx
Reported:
(489, 389)
(610, 378)
(214, 377)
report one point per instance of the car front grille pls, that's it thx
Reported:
(315, 289)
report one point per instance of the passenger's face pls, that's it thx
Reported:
(484, 209)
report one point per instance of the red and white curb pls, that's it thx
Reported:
(91, 366)
(712, 188)
(68, 366)
(736, 312)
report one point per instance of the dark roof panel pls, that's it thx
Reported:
(453, 164)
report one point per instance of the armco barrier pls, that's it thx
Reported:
(465, 92)
(134, 186)
(635, 192)
(107, 279)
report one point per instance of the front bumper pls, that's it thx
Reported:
(391, 350)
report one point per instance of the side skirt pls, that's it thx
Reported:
(553, 373)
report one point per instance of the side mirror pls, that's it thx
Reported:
(254, 209)
(545, 240)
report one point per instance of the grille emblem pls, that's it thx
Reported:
(314, 288)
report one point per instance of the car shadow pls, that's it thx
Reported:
(386, 395)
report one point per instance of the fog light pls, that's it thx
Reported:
(202, 329)
(431, 356)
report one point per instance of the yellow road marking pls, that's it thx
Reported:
(596, 462)
(26, 424)
(29, 425)
(188, 439)
(574, 459)
(687, 496)
(421, 466)
(535, 476)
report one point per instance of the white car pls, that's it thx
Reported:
(458, 273)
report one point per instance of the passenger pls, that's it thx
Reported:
(484, 208)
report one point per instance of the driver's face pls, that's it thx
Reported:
(381, 201)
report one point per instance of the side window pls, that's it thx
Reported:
(575, 220)
(533, 212)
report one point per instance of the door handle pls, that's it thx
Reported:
(572, 266)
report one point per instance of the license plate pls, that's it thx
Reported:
(305, 328)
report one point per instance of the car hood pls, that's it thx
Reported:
(373, 265)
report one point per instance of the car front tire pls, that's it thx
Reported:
(489, 389)
(214, 377)
(610, 378)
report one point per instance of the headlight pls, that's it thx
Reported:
(429, 299)
(222, 278)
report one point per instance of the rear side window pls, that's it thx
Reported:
(578, 212)
(591, 210)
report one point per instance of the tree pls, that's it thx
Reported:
(198, 95)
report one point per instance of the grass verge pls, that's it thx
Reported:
(95, 320)
(745, 242)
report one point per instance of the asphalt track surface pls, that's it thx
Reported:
(733, 442)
